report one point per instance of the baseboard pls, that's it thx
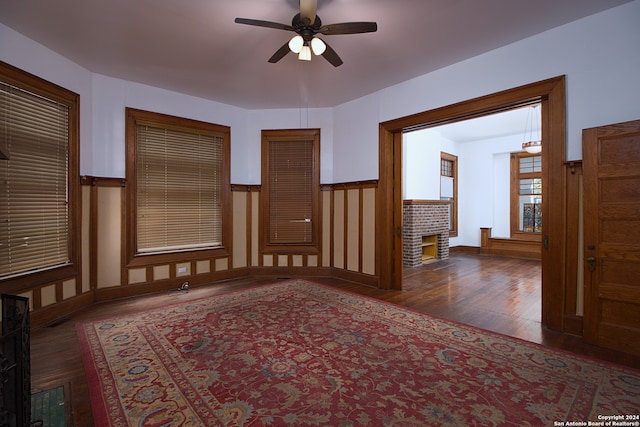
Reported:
(289, 271)
(464, 249)
(573, 324)
(356, 277)
(125, 291)
(55, 313)
(50, 315)
(513, 248)
(311, 272)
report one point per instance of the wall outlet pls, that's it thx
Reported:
(182, 269)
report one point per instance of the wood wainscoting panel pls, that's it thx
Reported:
(108, 240)
(339, 229)
(352, 221)
(509, 247)
(327, 226)
(368, 212)
(240, 236)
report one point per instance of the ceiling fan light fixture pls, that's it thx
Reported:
(305, 53)
(296, 43)
(318, 46)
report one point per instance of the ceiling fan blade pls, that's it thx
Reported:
(266, 24)
(280, 53)
(308, 9)
(330, 55)
(349, 28)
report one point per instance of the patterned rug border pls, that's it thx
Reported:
(101, 412)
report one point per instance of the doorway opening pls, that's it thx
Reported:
(463, 178)
(552, 98)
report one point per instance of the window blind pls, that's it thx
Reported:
(34, 217)
(179, 189)
(290, 192)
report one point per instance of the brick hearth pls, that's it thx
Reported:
(424, 218)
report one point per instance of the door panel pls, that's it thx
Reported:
(611, 163)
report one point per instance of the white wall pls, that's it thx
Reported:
(483, 179)
(421, 165)
(484, 188)
(110, 98)
(259, 120)
(355, 151)
(598, 54)
(34, 58)
(103, 101)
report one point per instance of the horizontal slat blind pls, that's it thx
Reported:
(34, 216)
(290, 192)
(179, 189)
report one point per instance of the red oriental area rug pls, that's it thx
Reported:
(300, 353)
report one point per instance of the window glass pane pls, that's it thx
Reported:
(530, 214)
(531, 164)
(34, 217)
(446, 188)
(531, 186)
(290, 192)
(526, 205)
(446, 167)
(179, 193)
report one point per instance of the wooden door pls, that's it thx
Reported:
(611, 163)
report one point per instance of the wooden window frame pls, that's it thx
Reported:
(133, 258)
(516, 176)
(290, 135)
(31, 83)
(453, 232)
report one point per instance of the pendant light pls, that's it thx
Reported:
(532, 144)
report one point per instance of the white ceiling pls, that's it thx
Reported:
(524, 121)
(194, 46)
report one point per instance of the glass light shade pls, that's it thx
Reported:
(305, 53)
(295, 44)
(318, 46)
(532, 147)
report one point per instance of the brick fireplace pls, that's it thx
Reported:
(425, 231)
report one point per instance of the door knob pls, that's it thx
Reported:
(591, 263)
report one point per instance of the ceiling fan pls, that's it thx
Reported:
(307, 25)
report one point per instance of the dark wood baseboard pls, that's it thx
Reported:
(55, 313)
(355, 277)
(288, 271)
(517, 248)
(464, 249)
(311, 272)
(125, 291)
(573, 324)
(50, 315)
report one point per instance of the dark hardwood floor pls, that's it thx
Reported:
(494, 293)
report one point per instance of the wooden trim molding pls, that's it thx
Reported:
(573, 319)
(102, 182)
(268, 138)
(33, 281)
(245, 188)
(425, 202)
(508, 247)
(129, 220)
(551, 93)
(373, 183)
